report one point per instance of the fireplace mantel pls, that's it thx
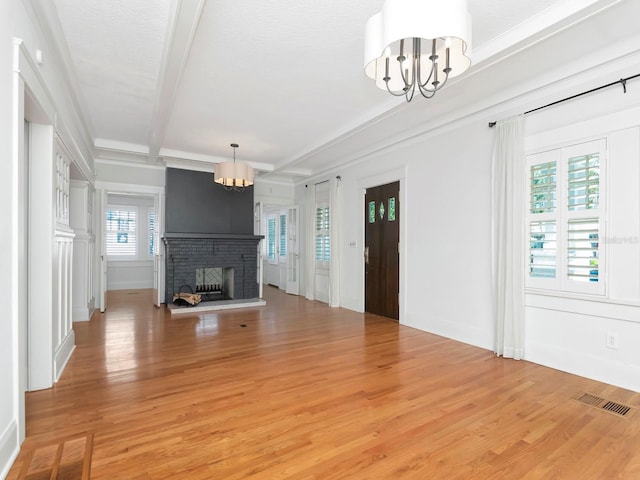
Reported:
(209, 236)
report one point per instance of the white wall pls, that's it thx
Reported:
(569, 333)
(9, 327)
(445, 217)
(273, 193)
(49, 85)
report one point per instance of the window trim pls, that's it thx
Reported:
(561, 284)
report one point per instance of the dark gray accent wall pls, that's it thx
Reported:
(196, 204)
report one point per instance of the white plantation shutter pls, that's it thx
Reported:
(585, 218)
(543, 188)
(323, 245)
(153, 235)
(583, 250)
(566, 218)
(584, 182)
(283, 236)
(271, 237)
(121, 232)
(543, 249)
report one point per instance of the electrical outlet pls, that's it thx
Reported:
(612, 340)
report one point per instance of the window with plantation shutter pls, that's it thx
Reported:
(565, 218)
(153, 234)
(283, 235)
(271, 238)
(121, 232)
(323, 249)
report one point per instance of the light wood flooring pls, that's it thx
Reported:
(297, 390)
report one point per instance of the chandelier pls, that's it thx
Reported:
(232, 175)
(417, 45)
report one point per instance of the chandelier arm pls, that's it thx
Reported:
(395, 94)
(404, 73)
(412, 89)
(426, 93)
(423, 88)
(433, 67)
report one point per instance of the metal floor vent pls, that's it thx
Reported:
(606, 405)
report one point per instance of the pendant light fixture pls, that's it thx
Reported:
(417, 45)
(232, 175)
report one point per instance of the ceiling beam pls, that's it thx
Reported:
(181, 32)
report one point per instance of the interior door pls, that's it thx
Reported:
(293, 254)
(258, 230)
(382, 262)
(23, 282)
(158, 250)
(102, 296)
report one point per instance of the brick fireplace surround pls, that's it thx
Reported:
(186, 252)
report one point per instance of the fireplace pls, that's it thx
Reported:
(217, 266)
(215, 283)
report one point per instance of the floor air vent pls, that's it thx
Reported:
(606, 405)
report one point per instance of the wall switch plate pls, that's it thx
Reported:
(612, 340)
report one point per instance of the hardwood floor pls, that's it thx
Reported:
(296, 390)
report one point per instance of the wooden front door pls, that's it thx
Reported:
(382, 234)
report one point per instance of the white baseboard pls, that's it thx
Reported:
(63, 354)
(132, 285)
(81, 314)
(585, 365)
(9, 448)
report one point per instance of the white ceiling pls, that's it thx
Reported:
(167, 79)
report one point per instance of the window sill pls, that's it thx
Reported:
(581, 296)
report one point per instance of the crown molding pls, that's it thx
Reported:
(176, 156)
(127, 163)
(45, 16)
(550, 21)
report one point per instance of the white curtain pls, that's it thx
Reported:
(310, 238)
(334, 242)
(508, 249)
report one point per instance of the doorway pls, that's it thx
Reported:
(382, 258)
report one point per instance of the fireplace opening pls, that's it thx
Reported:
(215, 283)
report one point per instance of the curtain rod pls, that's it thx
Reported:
(622, 81)
(324, 181)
